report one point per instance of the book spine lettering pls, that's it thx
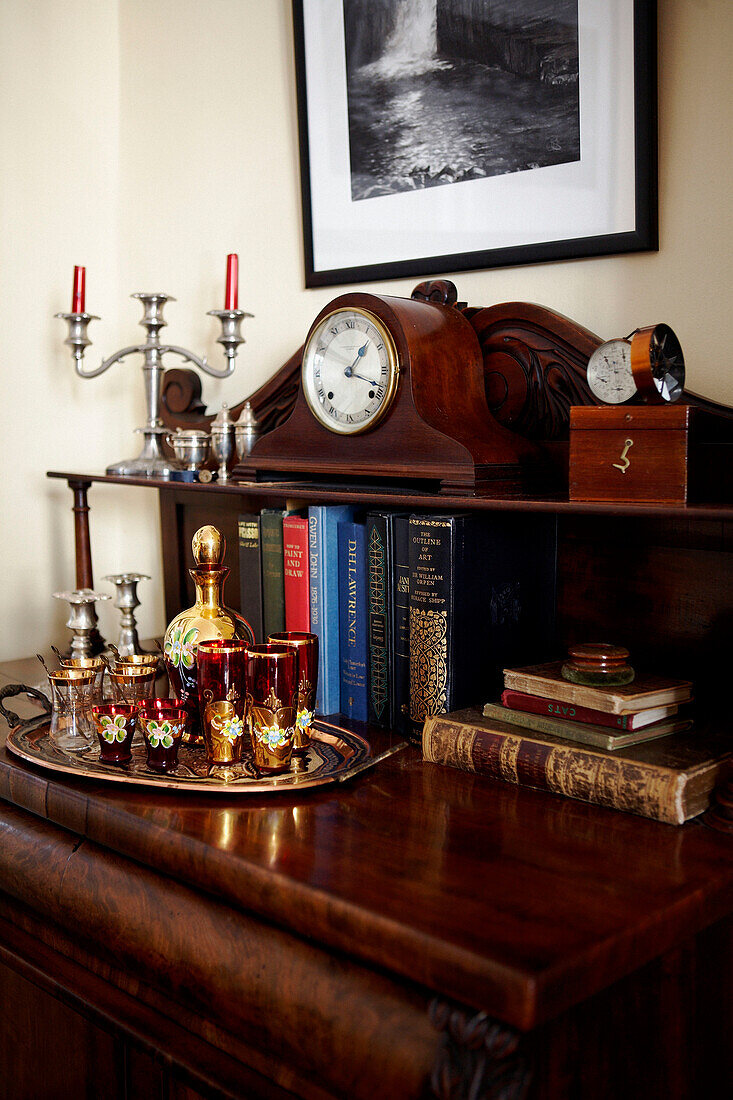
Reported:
(555, 708)
(353, 623)
(379, 641)
(620, 784)
(295, 573)
(400, 642)
(250, 572)
(432, 584)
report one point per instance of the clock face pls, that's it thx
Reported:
(350, 371)
(610, 377)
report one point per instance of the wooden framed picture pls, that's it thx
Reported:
(447, 135)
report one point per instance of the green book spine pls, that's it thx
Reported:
(273, 592)
(583, 732)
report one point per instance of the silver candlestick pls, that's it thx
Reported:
(82, 619)
(126, 601)
(151, 461)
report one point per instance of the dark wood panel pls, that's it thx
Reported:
(664, 589)
(48, 1050)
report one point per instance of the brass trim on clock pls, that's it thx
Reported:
(393, 369)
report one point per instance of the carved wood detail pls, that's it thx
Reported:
(534, 369)
(535, 364)
(479, 1058)
(272, 403)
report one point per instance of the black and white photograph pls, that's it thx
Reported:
(431, 102)
(455, 134)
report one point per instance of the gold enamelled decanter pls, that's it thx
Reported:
(208, 619)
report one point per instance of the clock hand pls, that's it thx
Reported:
(361, 376)
(362, 351)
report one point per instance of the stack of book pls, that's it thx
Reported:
(411, 611)
(627, 747)
(539, 698)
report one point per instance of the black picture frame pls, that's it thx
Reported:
(636, 168)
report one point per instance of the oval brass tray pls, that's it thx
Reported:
(333, 756)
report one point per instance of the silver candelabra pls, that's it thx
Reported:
(152, 462)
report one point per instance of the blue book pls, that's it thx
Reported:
(323, 520)
(353, 620)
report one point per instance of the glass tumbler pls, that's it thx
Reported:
(132, 684)
(163, 722)
(306, 647)
(220, 675)
(71, 691)
(115, 725)
(271, 683)
(97, 665)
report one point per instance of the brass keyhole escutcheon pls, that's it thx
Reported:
(624, 462)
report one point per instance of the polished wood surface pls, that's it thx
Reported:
(392, 871)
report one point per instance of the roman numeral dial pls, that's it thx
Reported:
(350, 371)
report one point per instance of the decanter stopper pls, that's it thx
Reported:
(209, 546)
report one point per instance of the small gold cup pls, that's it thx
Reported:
(223, 731)
(90, 664)
(132, 683)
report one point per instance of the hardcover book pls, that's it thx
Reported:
(555, 708)
(400, 640)
(380, 569)
(296, 583)
(642, 693)
(353, 620)
(323, 521)
(250, 572)
(273, 595)
(671, 779)
(480, 590)
(584, 732)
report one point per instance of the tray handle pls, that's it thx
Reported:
(21, 689)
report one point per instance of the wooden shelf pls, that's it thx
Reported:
(381, 496)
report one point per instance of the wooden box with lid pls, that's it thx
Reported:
(667, 454)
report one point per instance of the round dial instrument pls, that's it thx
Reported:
(350, 370)
(657, 364)
(610, 377)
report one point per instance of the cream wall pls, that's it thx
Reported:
(146, 139)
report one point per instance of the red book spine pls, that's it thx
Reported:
(533, 704)
(296, 575)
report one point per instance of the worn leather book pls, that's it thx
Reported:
(571, 712)
(585, 733)
(643, 692)
(670, 779)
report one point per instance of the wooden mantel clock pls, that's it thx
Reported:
(392, 389)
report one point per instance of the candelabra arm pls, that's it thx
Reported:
(107, 363)
(202, 364)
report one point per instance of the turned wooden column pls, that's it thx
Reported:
(83, 547)
(82, 543)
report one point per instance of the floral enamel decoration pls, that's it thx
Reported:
(179, 648)
(303, 719)
(273, 736)
(162, 733)
(231, 729)
(113, 729)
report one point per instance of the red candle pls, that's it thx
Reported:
(79, 290)
(232, 292)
